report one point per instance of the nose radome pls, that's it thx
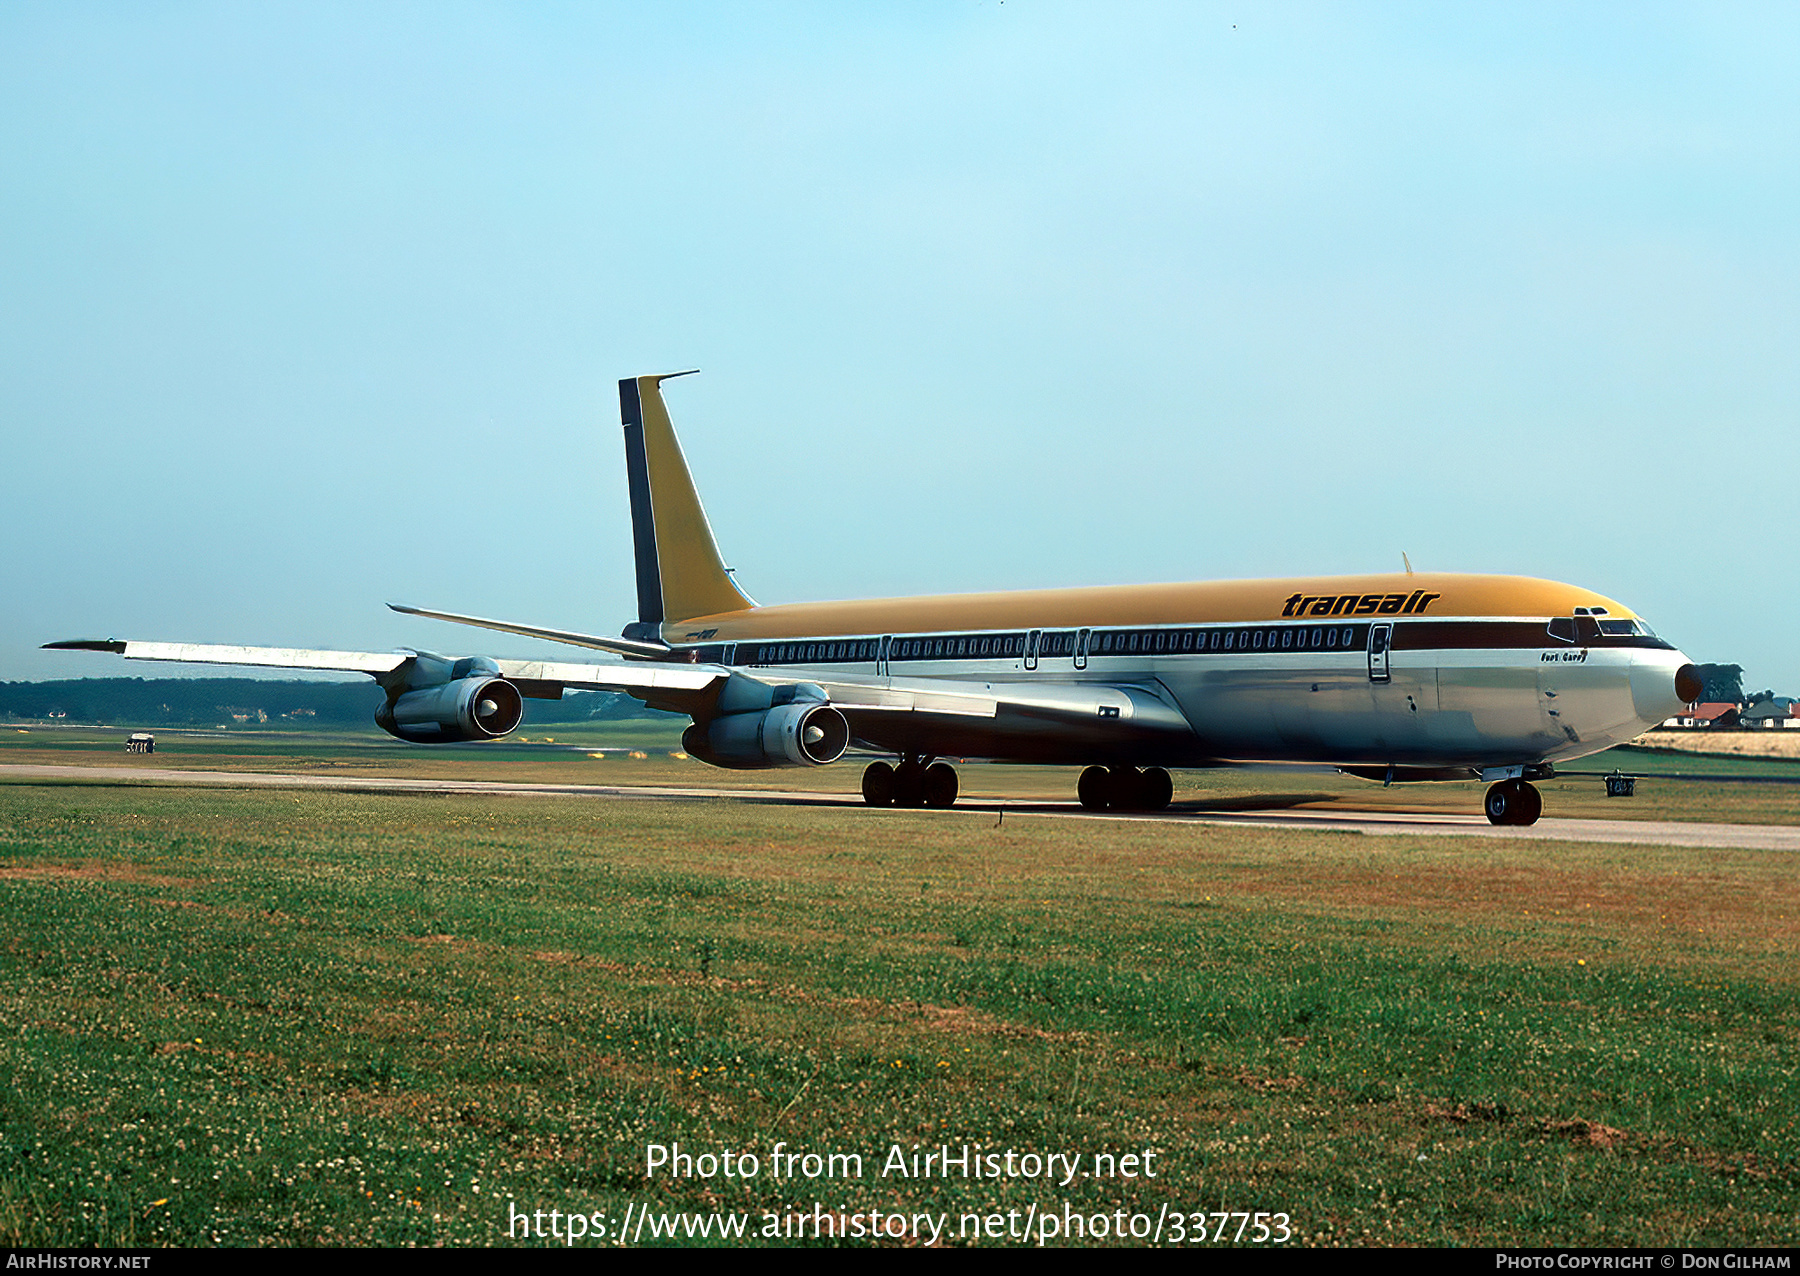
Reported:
(1662, 689)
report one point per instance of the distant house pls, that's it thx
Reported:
(1775, 712)
(1765, 711)
(140, 742)
(1715, 714)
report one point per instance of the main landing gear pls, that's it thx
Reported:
(1123, 788)
(1513, 802)
(912, 783)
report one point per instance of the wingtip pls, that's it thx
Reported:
(113, 645)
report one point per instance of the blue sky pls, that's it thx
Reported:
(306, 309)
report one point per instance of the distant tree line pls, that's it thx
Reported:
(1721, 684)
(254, 702)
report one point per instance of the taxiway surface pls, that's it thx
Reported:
(1770, 837)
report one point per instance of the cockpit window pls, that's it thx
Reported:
(1626, 629)
(1562, 628)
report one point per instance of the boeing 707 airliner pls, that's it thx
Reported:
(1390, 677)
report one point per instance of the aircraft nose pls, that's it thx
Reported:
(1663, 688)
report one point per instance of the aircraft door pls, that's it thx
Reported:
(1081, 642)
(881, 656)
(1381, 638)
(1031, 648)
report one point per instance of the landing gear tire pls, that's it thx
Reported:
(1533, 804)
(878, 784)
(1499, 803)
(1159, 789)
(1124, 788)
(909, 784)
(1093, 788)
(939, 787)
(1513, 802)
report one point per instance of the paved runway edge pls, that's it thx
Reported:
(1766, 837)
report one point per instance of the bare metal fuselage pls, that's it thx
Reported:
(1386, 700)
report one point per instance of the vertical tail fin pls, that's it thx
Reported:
(679, 572)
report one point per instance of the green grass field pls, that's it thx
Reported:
(295, 1018)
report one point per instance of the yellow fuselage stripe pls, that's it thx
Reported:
(1200, 602)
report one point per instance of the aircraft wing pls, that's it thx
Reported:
(370, 662)
(632, 677)
(544, 679)
(975, 719)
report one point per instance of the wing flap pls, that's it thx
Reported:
(614, 677)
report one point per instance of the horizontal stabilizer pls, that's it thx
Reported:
(619, 646)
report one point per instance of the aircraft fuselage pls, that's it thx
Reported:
(1416, 672)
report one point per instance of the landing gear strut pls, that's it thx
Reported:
(912, 783)
(1124, 788)
(1513, 802)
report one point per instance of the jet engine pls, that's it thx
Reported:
(791, 726)
(435, 701)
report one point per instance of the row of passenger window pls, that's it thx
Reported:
(865, 650)
(1051, 645)
(1126, 642)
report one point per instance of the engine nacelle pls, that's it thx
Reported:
(801, 733)
(471, 708)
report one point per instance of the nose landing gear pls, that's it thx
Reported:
(1513, 802)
